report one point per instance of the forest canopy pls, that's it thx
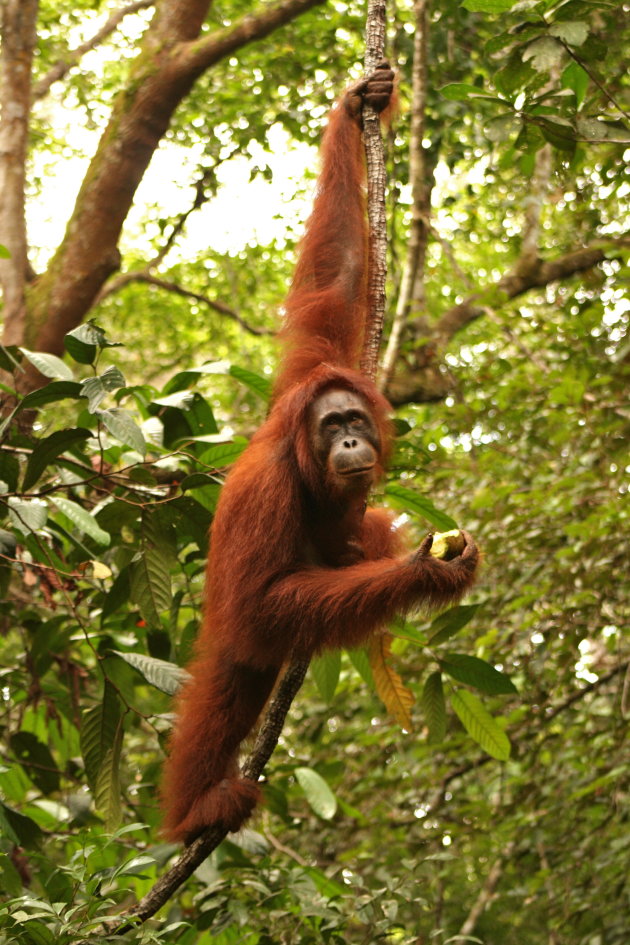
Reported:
(468, 781)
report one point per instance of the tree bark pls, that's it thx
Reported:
(17, 25)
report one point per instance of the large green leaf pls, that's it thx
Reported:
(48, 449)
(107, 788)
(97, 388)
(260, 385)
(27, 514)
(82, 519)
(325, 670)
(37, 760)
(223, 454)
(121, 425)
(150, 575)
(84, 342)
(48, 364)
(434, 707)
(50, 393)
(480, 725)
(450, 622)
(477, 673)
(99, 732)
(318, 793)
(165, 676)
(410, 501)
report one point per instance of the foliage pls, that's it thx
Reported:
(105, 517)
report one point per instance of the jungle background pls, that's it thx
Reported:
(156, 165)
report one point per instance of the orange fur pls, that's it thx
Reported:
(293, 569)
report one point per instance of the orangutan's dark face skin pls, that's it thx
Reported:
(345, 439)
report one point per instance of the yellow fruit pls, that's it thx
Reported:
(447, 545)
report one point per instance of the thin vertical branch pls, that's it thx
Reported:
(377, 180)
(420, 173)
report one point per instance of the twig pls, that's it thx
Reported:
(73, 56)
(143, 276)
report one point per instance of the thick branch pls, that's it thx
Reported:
(429, 381)
(171, 58)
(540, 274)
(74, 56)
(17, 24)
(196, 57)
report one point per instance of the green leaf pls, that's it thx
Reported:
(27, 515)
(4, 252)
(9, 358)
(82, 519)
(20, 829)
(36, 932)
(223, 454)
(107, 787)
(200, 417)
(410, 501)
(494, 7)
(165, 676)
(361, 661)
(136, 865)
(96, 388)
(544, 54)
(434, 708)
(48, 364)
(50, 393)
(82, 343)
(325, 670)
(182, 399)
(36, 759)
(260, 385)
(9, 470)
(480, 725)
(460, 91)
(99, 732)
(121, 426)
(571, 32)
(561, 136)
(318, 794)
(47, 450)
(450, 622)
(575, 78)
(477, 673)
(150, 575)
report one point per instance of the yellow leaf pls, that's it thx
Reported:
(389, 685)
(100, 570)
